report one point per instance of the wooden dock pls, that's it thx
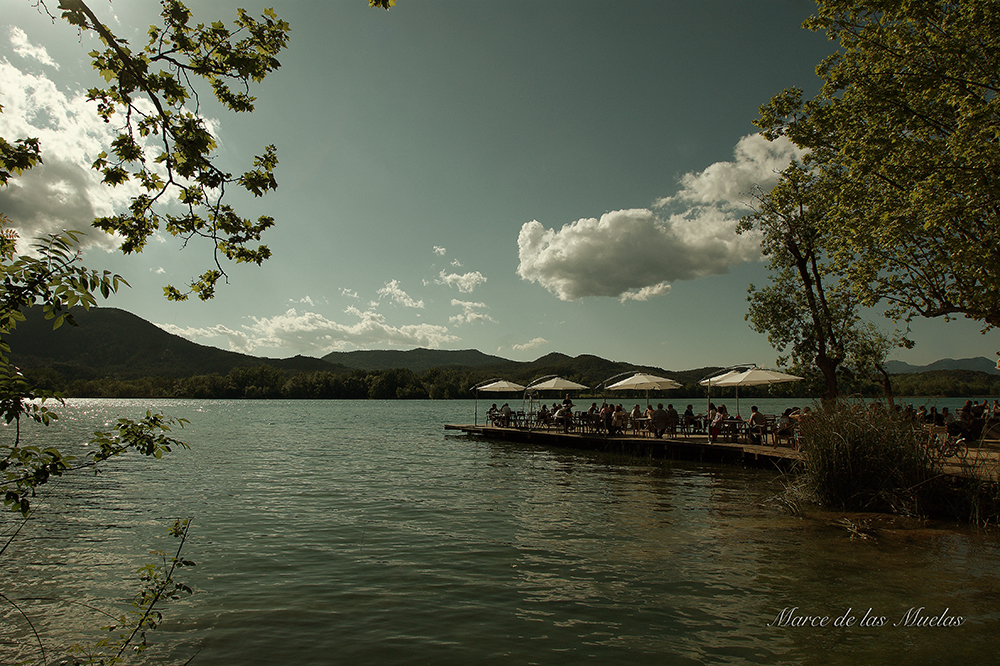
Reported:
(983, 461)
(678, 447)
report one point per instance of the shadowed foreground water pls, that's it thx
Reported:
(361, 533)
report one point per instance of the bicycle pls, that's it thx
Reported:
(942, 444)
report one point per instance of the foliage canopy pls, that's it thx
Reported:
(149, 96)
(904, 135)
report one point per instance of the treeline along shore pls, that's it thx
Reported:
(265, 381)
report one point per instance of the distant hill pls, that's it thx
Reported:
(417, 360)
(114, 343)
(979, 364)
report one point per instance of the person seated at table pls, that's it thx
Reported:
(606, 417)
(757, 425)
(564, 417)
(800, 415)
(966, 421)
(784, 426)
(933, 417)
(950, 422)
(544, 417)
(505, 415)
(978, 410)
(716, 426)
(673, 419)
(688, 417)
(618, 419)
(658, 421)
(648, 414)
(635, 415)
(494, 414)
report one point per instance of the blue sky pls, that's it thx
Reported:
(514, 176)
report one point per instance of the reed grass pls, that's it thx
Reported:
(862, 457)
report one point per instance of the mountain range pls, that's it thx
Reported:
(109, 342)
(979, 364)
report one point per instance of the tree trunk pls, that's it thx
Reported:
(828, 367)
(886, 384)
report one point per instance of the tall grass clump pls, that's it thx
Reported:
(862, 457)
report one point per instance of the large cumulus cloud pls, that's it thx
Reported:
(636, 254)
(63, 192)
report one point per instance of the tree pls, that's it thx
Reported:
(148, 94)
(800, 311)
(904, 135)
(869, 349)
(52, 277)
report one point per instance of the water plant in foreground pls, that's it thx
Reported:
(862, 457)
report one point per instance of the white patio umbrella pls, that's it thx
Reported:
(500, 386)
(751, 377)
(550, 383)
(642, 381)
(555, 383)
(494, 386)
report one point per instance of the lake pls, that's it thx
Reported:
(360, 532)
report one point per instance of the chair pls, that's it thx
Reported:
(791, 434)
(936, 436)
(770, 428)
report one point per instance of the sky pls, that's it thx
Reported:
(514, 176)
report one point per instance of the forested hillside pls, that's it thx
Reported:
(113, 353)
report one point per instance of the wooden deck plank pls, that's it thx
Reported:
(688, 447)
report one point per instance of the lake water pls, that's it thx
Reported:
(360, 532)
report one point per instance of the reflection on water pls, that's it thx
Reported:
(358, 532)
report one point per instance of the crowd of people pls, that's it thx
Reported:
(616, 419)
(968, 422)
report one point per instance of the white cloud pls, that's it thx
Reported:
(636, 254)
(63, 192)
(757, 161)
(350, 293)
(646, 293)
(238, 341)
(22, 47)
(530, 344)
(629, 250)
(470, 313)
(311, 334)
(393, 291)
(466, 282)
(439, 250)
